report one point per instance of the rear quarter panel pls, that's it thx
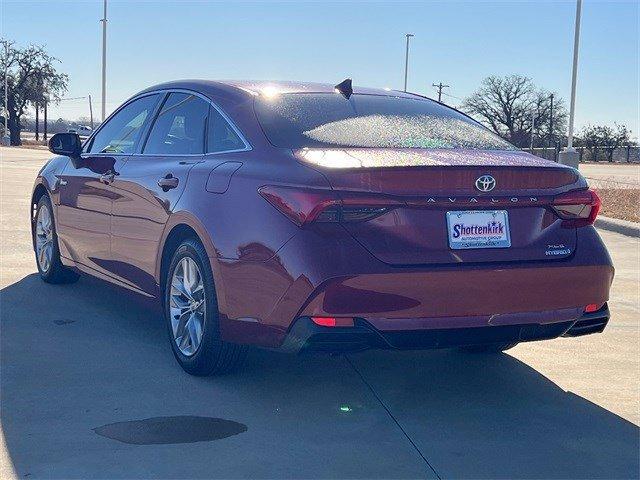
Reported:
(241, 231)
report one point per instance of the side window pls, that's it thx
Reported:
(222, 137)
(179, 127)
(122, 132)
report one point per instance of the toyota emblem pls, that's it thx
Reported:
(485, 183)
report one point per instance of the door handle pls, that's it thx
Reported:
(168, 182)
(108, 177)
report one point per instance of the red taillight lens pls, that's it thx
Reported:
(300, 205)
(306, 205)
(578, 208)
(333, 321)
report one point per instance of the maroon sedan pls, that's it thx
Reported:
(311, 217)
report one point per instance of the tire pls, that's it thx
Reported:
(46, 246)
(488, 348)
(192, 321)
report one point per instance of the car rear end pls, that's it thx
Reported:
(431, 230)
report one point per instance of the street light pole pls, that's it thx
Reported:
(576, 46)
(104, 61)
(91, 112)
(406, 60)
(569, 156)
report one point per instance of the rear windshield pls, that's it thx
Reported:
(323, 120)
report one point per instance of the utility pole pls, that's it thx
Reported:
(6, 92)
(44, 129)
(37, 122)
(569, 156)
(533, 128)
(91, 112)
(104, 61)
(551, 119)
(406, 60)
(439, 86)
(37, 105)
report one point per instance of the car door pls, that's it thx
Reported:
(85, 185)
(151, 183)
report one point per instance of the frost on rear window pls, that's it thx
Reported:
(393, 131)
(369, 121)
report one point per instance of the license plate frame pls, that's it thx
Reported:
(491, 230)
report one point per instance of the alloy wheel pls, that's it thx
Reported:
(44, 238)
(187, 306)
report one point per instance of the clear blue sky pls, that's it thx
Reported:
(458, 43)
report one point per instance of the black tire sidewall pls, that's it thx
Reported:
(201, 362)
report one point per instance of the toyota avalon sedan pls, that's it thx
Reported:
(312, 217)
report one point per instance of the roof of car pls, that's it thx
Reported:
(258, 87)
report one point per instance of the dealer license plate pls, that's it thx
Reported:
(478, 229)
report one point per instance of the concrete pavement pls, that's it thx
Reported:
(78, 357)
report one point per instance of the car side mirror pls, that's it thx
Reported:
(67, 144)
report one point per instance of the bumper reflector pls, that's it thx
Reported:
(333, 321)
(592, 307)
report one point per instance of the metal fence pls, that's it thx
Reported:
(624, 154)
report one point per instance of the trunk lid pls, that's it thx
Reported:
(432, 182)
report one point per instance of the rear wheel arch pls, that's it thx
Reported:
(179, 228)
(178, 234)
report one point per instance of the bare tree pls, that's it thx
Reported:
(605, 137)
(32, 79)
(510, 105)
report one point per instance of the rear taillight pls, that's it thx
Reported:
(305, 205)
(578, 208)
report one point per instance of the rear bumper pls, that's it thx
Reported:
(306, 336)
(466, 297)
(356, 285)
(331, 275)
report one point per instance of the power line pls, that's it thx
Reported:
(452, 96)
(440, 86)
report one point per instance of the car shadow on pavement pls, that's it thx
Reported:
(493, 416)
(77, 357)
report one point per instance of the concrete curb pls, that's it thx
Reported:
(624, 227)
